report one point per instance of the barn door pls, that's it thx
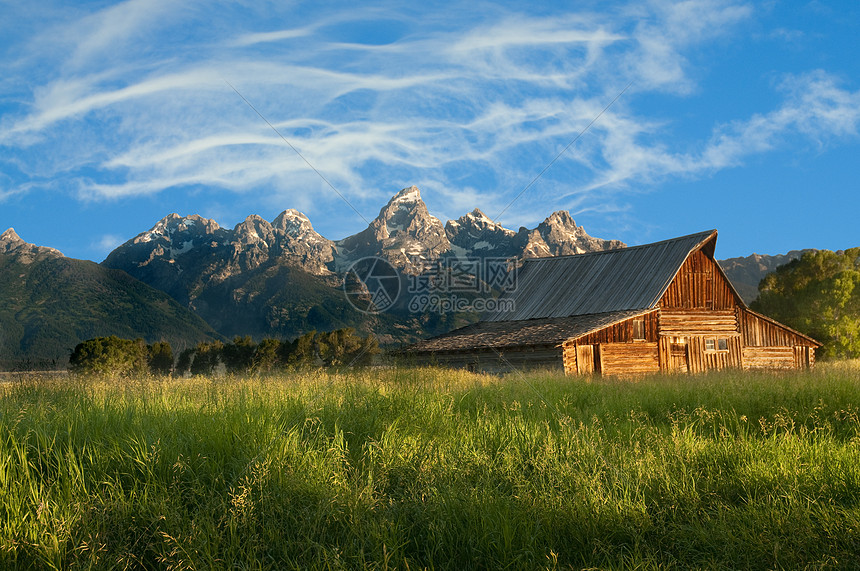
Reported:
(585, 359)
(678, 358)
(801, 357)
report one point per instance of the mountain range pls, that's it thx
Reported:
(188, 279)
(282, 278)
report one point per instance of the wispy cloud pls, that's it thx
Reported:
(471, 108)
(814, 108)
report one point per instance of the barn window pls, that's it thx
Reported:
(722, 344)
(710, 345)
(714, 345)
(639, 330)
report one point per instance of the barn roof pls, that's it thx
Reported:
(497, 335)
(626, 279)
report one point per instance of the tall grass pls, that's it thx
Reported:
(429, 468)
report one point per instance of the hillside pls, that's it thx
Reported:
(747, 272)
(50, 303)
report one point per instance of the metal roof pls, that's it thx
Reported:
(626, 279)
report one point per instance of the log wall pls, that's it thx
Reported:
(679, 322)
(701, 360)
(797, 357)
(673, 354)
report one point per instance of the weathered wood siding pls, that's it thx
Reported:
(760, 332)
(621, 359)
(797, 357)
(578, 359)
(616, 359)
(804, 357)
(769, 358)
(701, 359)
(690, 354)
(673, 354)
(770, 345)
(699, 284)
(681, 322)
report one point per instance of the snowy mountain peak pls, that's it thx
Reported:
(293, 222)
(404, 233)
(558, 235)
(254, 230)
(292, 214)
(174, 223)
(408, 196)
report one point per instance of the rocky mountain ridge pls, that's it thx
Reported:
(404, 233)
(12, 245)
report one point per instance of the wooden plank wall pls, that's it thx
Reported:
(699, 285)
(700, 360)
(569, 360)
(804, 357)
(629, 358)
(668, 363)
(769, 358)
(578, 359)
(797, 357)
(758, 332)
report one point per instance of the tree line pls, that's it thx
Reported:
(126, 357)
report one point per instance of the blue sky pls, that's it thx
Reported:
(740, 116)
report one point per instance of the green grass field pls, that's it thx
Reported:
(425, 468)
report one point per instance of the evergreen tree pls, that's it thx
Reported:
(238, 356)
(343, 347)
(160, 358)
(301, 352)
(267, 356)
(207, 356)
(183, 363)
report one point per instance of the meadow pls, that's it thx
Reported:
(432, 469)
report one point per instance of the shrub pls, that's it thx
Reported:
(110, 356)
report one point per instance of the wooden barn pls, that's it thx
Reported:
(666, 306)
